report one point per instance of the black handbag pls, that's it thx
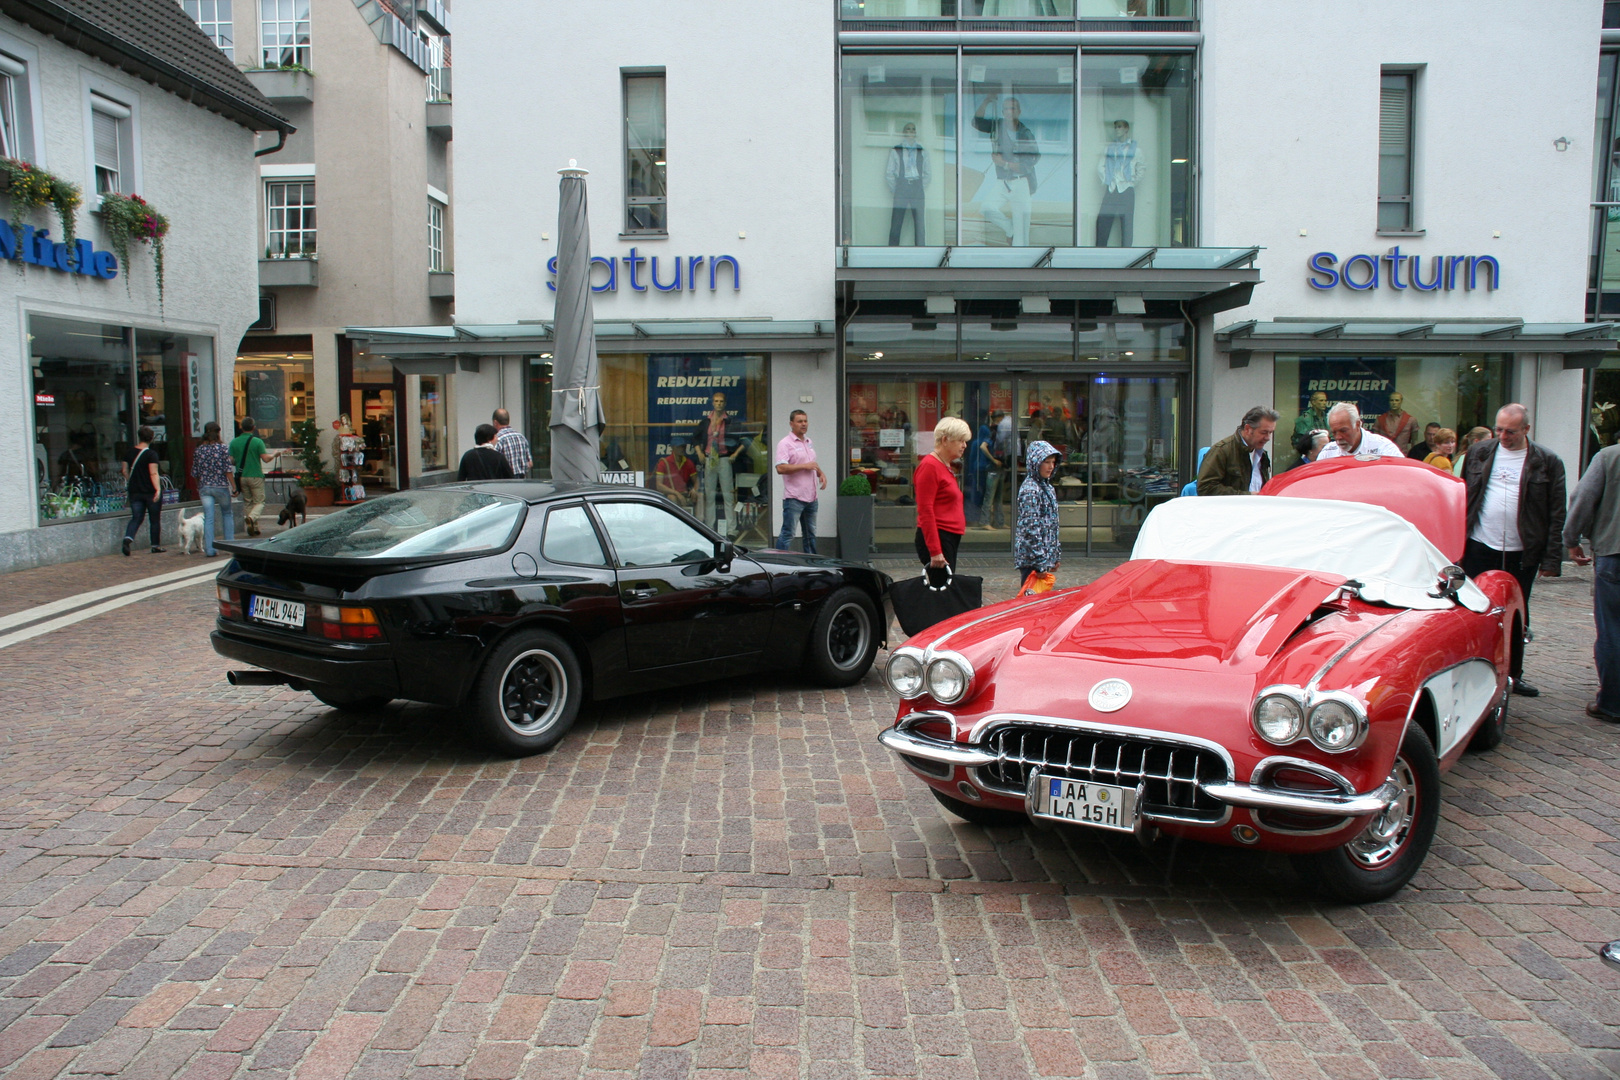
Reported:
(921, 602)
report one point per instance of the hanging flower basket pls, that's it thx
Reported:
(130, 217)
(32, 188)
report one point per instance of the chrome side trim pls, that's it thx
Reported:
(1259, 798)
(1316, 680)
(937, 642)
(911, 744)
(987, 724)
(1272, 764)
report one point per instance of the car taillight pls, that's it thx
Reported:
(230, 603)
(339, 623)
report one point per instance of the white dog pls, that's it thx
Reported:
(191, 533)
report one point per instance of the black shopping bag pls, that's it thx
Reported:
(921, 602)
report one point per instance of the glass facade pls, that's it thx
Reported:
(1603, 285)
(277, 390)
(646, 208)
(1014, 9)
(979, 149)
(663, 432)
(93, 386)
(1460, 392)
(1014, 379)
(1602, 409)
(433, 405)
(1136, 138)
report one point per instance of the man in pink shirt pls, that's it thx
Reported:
(795, 461)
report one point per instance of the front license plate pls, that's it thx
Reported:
(1085, 803)
(269, 609)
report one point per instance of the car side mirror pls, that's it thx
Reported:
(1451, 580)
(724, 552)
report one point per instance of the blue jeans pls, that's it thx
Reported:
(1606, 606)
(212, 498)
(152, 510)
(805, 512)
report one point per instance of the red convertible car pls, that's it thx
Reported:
(1290, 671)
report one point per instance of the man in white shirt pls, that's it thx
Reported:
(1516, 510)
(1350, 439)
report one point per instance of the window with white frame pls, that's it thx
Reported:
(289, 218)
(214, 16)
(13, 100)
(113, 145)
(284, 33)
(435, 235)
(438, 61)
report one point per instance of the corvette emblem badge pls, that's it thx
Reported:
(1110, 695)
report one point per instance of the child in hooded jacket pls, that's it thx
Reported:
(1036, 548)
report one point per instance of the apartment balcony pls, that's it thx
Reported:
(301, 273)
(438, 119)
(284, 86)
(441, 285)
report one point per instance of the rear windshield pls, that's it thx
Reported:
(410, 524)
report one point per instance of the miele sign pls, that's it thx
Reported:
(643, 270)
(1446, 273)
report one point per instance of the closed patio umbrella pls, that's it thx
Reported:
(577, 418)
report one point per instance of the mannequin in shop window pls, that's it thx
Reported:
(1397, 424)
(1120, 170)
(907, 175)
(717, 450)
(1004, 199)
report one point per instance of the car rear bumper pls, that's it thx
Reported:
(363, 676)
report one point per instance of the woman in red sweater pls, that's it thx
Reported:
(940, 522)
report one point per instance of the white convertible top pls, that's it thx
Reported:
(1394, 562)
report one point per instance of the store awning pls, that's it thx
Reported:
(1582, 344)
(411, 348)
(1216, 279)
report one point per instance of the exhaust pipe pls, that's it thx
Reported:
(256, 678)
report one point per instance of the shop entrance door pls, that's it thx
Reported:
(1118, 440)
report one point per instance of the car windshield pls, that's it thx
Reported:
(428, 521)
(1393, 562)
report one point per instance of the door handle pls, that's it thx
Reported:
(641, 592)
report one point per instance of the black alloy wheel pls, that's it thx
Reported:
(843, 641)
(528, 694)
(1379, 861)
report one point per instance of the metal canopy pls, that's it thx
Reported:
(1080, 273)
(1412, 336)
(642, 335)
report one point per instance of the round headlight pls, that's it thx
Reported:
(947, 680)
(1334, 725)
(905, 675)
(1278, 718)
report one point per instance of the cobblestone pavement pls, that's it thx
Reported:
(731, 881)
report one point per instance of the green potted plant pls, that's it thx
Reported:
(855, 518)
(130, 217)
(319, 483)
(31, 188)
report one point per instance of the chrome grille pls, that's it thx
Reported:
(1168, 772)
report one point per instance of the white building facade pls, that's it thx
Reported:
(91, 357)
(1112, 226)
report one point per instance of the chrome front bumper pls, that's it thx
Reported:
(909, 743)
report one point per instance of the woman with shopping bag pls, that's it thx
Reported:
(939, 594)
(1037, 550)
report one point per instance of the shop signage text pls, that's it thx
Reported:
(35, 246)
(1363, 272)
(634, 264)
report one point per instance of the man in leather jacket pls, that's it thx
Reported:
(1239, 464)
(1516, 507)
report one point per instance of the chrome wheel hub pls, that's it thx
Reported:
(533, 690)
(1384, 836)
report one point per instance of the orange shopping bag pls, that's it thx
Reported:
(1036, 584)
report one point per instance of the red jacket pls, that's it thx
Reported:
(939, 501)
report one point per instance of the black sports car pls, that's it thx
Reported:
(520, 600)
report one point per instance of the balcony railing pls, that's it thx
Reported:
(854, 10)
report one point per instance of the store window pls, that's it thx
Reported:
(284, 33)
(1458, 392)
(93, 386)
(214, 16)
(645, 165)
(1136, 137)
(370, 390)
(434, 409)
(277, 389)
(537, 394)
(289, 219)
(16, 115)
(1018, 154)
(899, 170)
(1603, 409)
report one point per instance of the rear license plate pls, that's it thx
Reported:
(1085, 803)
(276, 612)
